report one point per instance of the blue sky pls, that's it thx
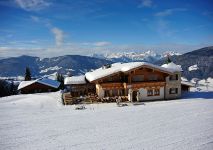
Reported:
(49, 28)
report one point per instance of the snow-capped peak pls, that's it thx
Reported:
(148, 56)
(171, 53)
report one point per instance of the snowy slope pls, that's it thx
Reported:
(39, 121)
(203, 85)
(193, 67)
(55, 68)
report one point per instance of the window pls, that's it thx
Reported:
(114, 92)
(138, 78)
(173, 90)
(120, 92)
(157, 92)
(153, 92)
(106, 93)
(150, 92)
(110, 79)
(149, 70)
(153, 77)
(173, 77)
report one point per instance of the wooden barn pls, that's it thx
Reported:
(38, 86)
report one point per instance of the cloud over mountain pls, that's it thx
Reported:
(59, 36)
(32, 5)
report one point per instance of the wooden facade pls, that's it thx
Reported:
(138, 84)
(137, 75)
(131, 83)
(77, 90)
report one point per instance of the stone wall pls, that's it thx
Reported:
(173, 84)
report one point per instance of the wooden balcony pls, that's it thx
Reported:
(112, 85)
(133, 85)
(145, 84)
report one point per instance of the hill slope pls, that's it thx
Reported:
(75, 64)
(195, 64)
(39, 121)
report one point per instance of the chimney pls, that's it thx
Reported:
(106, 66)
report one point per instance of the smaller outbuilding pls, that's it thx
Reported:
(38, 86)
(185, 86)
(79, 86)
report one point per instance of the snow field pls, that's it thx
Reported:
(39, 121)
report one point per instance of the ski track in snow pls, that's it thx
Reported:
(39, 121)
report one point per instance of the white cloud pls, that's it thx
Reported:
(58, 33)
(169, 12)
(164, 13)
(59, 36)
(146, 3)
(32, 5)
(96, 44)
(102, 43)
(35, 18)
(76, 49)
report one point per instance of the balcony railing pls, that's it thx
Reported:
(145, 84)
(112, 85)
(133, 84)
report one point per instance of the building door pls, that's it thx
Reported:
(134, 96)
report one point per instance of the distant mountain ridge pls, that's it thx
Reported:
(195, 64)
(74, 64)
(148, 56)
(200, 60)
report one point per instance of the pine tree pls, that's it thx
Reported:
(12, 88)
(27, 74)
(60, 78)
(168, 60)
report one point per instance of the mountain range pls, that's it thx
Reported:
(74, 64)
(195, 64)
(148, 56)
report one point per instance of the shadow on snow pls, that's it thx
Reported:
(204, 95)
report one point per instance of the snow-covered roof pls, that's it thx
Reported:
(45, 81)
(75, 80)
(25, 83)
(172, 66)
(184, 79)
(121, 67)
(49, 82)
(187, 83)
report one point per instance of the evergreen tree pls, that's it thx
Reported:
(60, 78)
(4, 88)
(168, 60)
(27, 74)
(12, 88)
